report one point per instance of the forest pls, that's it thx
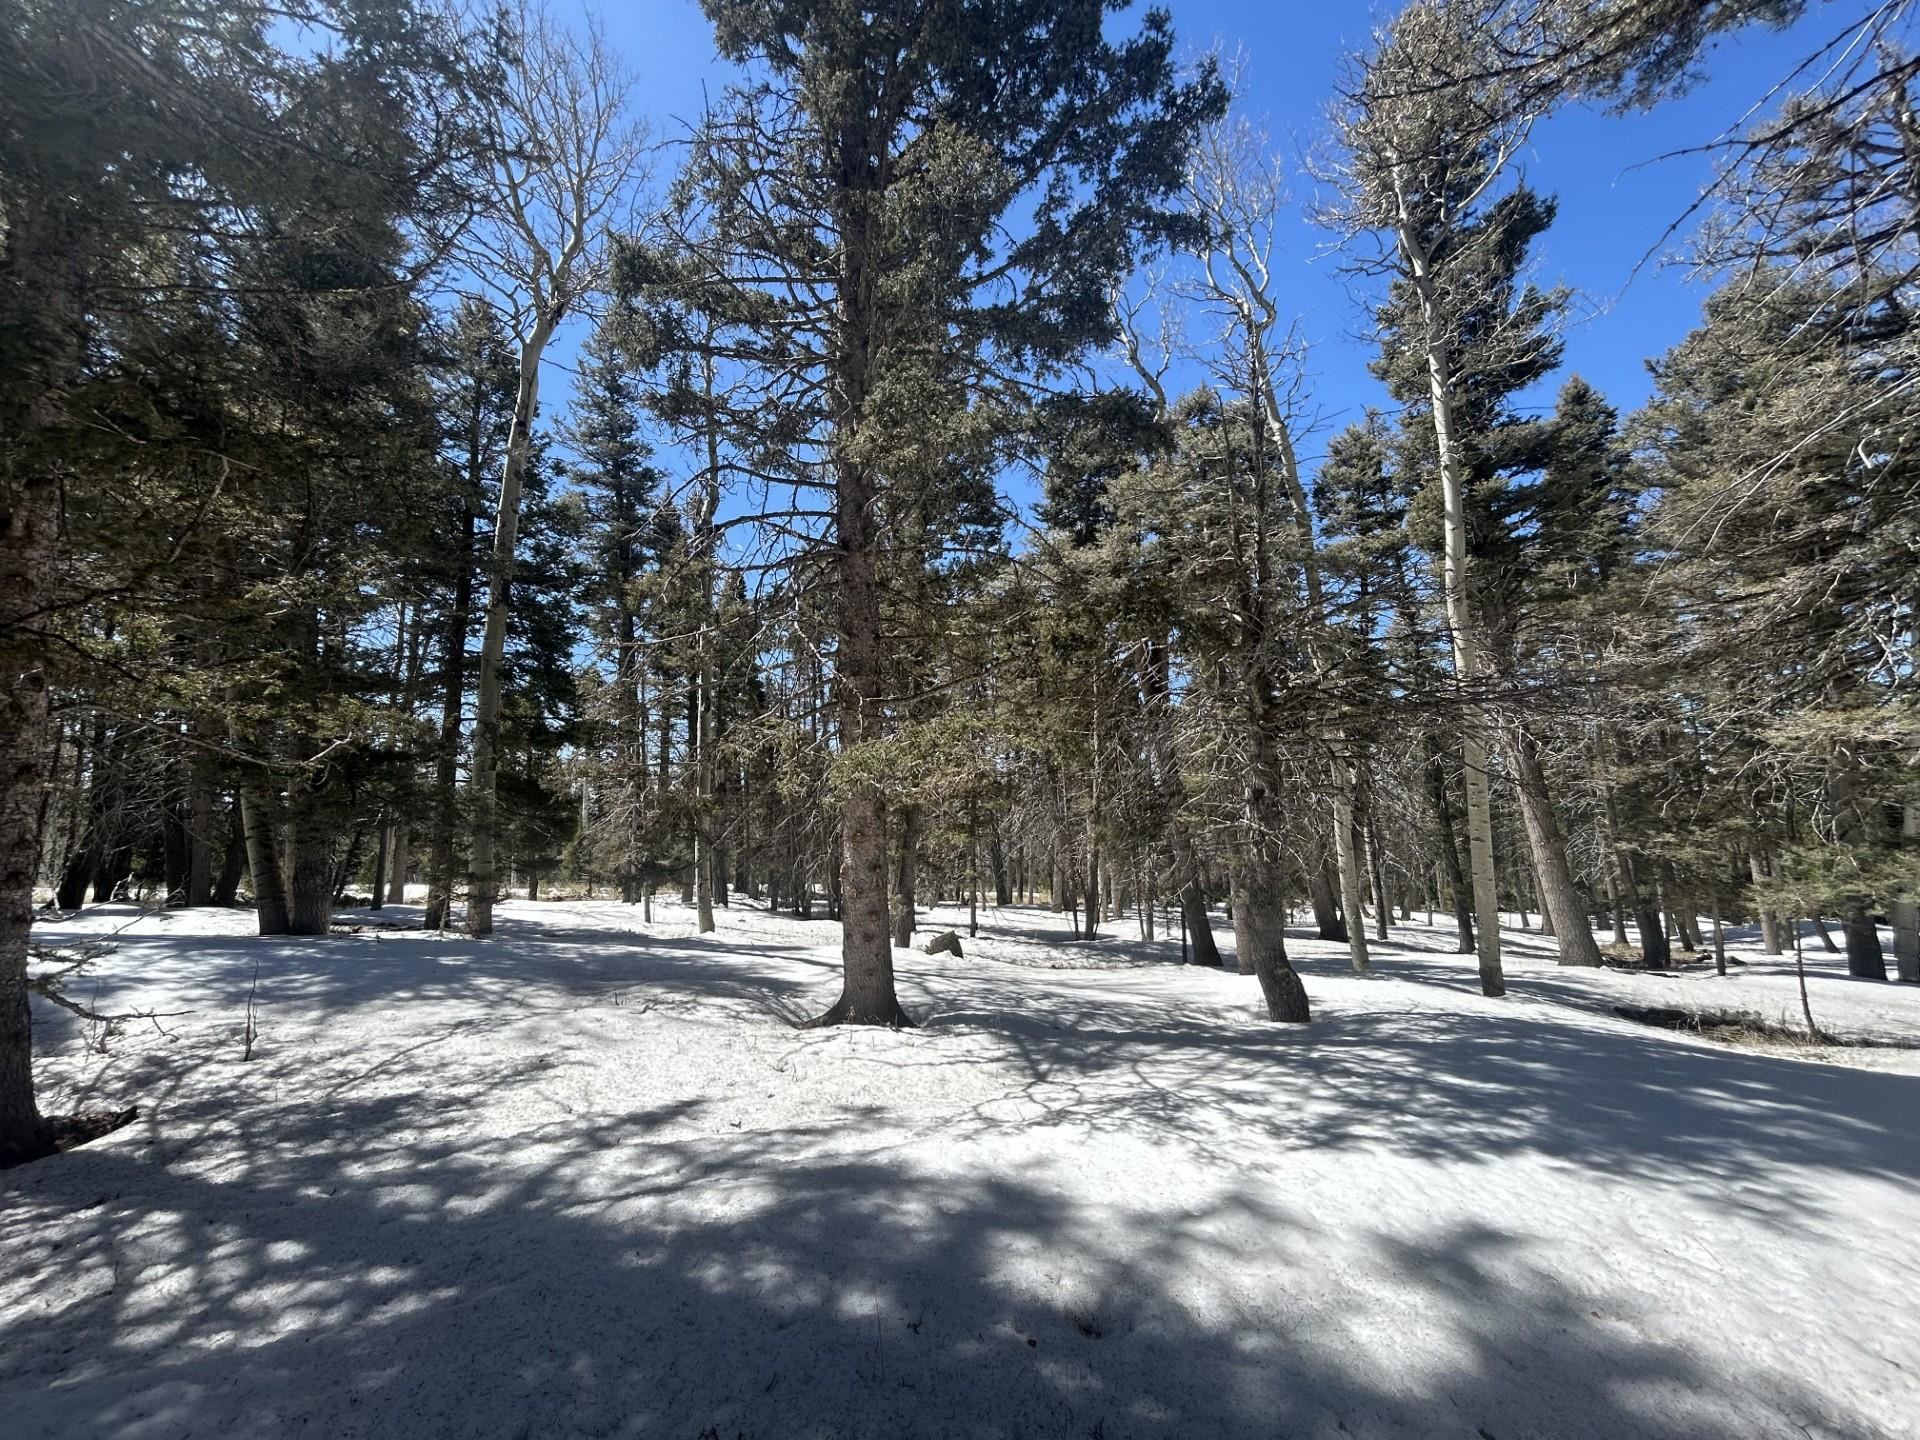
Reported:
(439, 490)
(307, 594)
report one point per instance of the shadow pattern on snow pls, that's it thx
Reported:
(354, 1250)
(371, 1271)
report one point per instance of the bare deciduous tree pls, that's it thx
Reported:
(565, 160)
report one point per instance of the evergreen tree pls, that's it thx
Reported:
(130, 292)
(873, 157)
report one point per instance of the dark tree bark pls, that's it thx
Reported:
(1280, 985)
(1645, 904)
(905, 877)
(1560, 897)
(1243, 924)
(226, 889)
(860, 684)
(260, 814)
(1454, 872)
(1865, 958)
(310, 887)
(1377, 877)
(1321, 888)
(446, 762)
(89, 862)
(36, 267)
(1193, 904)
(201, 837)
(377, 892)
(1263, 877)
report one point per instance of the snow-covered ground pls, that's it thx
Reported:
(583, 1179)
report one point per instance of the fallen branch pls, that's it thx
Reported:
(70, 963)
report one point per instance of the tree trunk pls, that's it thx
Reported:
(396, 878)
(310, 879)
(1377, 878)
(1092, 931)
(90, 858)
(973, 871)
(1865, 958)
(1560, 896)
(446, 760)
(1654, 950)
(1193, 905)
(1906, 912)
(705, 730)
(860, 672)
(1349, 868)
(1243, 936)
(905, 876)
(226, 889)
(997, 865)
(1859, 827)
(1614, 902)
(377, 891)
(200, 839)
(1770, 938)
(1454, 873)
(1326, 915)
(1155, 688)
(1719, 939)
(1266, 930)
(1460, 617)
(344, 870)
(482, 785)
(39, 250)
(261, 819)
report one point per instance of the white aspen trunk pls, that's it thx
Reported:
(1466, 646)
(481, 787)
(1349, 863)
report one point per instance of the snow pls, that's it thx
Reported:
(584, 1179)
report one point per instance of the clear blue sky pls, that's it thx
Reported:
(1616, 195)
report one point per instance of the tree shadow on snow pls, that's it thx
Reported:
(382, 1267)
(1746, 1130)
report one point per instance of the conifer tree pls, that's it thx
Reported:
(111, 104)
(873, 162)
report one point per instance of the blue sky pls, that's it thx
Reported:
(1616, 194)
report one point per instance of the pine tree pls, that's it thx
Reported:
(915, 149)
(110, 313)
(631, 530)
